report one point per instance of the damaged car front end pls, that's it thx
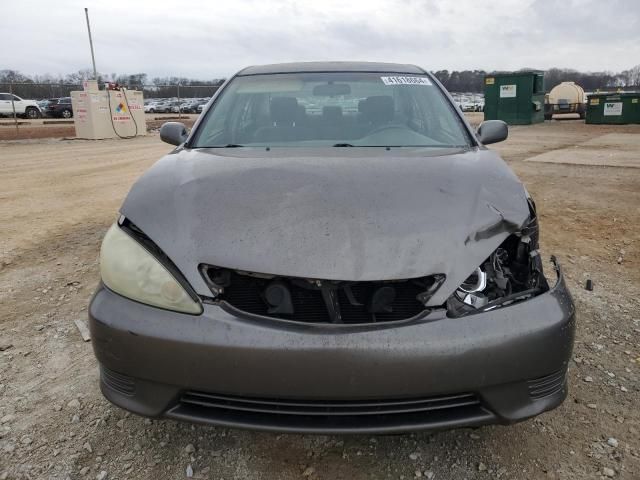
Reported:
(512, 273)
(354, 267)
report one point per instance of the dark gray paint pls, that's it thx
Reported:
(334, 213)
(492, 353)
(173, 133)
(299, 67)
(492, 131)
(343, 214)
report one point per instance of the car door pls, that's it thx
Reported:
(5, 104)
(19, 103)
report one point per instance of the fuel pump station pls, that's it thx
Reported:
(111, 113)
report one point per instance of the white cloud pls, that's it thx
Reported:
(206, 39)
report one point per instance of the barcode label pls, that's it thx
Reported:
(405, 80)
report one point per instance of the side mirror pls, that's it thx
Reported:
(174, 133)
(490, 131)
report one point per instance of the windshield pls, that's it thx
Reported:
(331, 109)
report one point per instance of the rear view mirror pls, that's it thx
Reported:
(174, 133)
(331, 90)
(492, 131)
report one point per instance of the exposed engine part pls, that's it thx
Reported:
(278, 297)
(381, 299)
(321, 301)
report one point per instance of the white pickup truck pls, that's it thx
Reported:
(24, 108)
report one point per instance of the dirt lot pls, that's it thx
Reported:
(57, 199)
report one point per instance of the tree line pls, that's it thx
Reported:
(473, 80)
(50, 86)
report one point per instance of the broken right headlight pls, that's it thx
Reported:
(513, 272)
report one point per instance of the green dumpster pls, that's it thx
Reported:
(516, 98)
(613, 108)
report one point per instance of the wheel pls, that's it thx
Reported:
(32, 113)
(151, 110)
(66, 113)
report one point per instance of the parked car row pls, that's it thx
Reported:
(469, 102)
(163, 105)
(52, 107)
(58, 108)
(23, 108)
(62, 108)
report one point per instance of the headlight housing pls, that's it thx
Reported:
(512, 273)
(129, 269)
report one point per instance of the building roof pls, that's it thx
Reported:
(305, 67)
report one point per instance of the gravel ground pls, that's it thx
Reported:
(57, 198)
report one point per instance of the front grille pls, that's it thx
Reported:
(246, 292)
(330, 415)
(547, 385)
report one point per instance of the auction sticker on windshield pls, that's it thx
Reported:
(405, 80)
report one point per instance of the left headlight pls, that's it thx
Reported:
(129, 269)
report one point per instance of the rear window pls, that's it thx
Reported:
(331, 109)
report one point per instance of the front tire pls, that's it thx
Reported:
(32, 113)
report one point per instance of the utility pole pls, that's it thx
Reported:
(13, 106)
(93, 58)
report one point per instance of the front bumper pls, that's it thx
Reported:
(500, 366)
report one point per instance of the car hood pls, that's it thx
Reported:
(339, 213)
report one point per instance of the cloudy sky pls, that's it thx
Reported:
(208, 39)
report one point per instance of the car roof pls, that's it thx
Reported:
(303, 67)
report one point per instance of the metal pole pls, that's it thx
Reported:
(13, 106)
(93, 58)
(179, 108)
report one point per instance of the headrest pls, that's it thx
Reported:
(377, 109)
(284, 110)
(332, 112)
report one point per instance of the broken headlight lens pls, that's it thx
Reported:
(513, 272)
(129, 269)
(471, 290)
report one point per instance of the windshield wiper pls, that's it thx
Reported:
(228, 145)
(342, 145)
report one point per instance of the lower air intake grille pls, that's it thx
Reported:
(116, 381)
(329, 415)
(547, 385)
